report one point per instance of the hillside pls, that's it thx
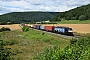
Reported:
(79, 13)
(18, 17)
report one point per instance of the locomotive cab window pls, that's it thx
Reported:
(70, 30)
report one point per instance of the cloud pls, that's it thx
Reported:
(10, 0)
(40, 5)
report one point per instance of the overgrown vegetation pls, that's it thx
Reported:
(38, 45)
(26, 45)
(4, 52)
(9, 39)
(78, 49)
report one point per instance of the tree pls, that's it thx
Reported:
(82, 17)
(25, 28)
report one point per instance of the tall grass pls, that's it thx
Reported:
(26, 45)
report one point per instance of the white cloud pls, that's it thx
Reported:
(39, 5)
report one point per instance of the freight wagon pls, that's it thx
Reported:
(49, 28)
(32, 26)
(42, 27)
(38, 26)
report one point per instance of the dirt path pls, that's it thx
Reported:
(12, 27)
(80, 28)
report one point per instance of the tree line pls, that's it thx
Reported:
(22, 17)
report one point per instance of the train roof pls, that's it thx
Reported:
(61, 27)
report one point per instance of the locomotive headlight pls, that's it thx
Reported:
(70, 31)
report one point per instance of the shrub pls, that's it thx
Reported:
(7, 29)
(76, 50)
(4, 29)
(72, 41)
(25, 28)
(4, 52)
(51, 53)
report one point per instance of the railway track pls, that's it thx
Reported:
(65, 36)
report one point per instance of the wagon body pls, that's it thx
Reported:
(42, 27)
(31, 26)
(49, 28)
(38, 26)
(34, 26)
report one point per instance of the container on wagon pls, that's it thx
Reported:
(42, 27)
(32, 26)
(49, 28)
(28, 25)
(38, 26)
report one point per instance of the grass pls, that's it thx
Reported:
(29, 44)
(74, 22)
(43, 37)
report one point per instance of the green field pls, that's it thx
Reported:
(38, 45)
(26, 45)
(74, 22)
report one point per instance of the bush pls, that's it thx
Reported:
(25, 28)
(4, 52)
(72, 41)
(51, 53)
(7, 29)
(4, 29)
(77, 50)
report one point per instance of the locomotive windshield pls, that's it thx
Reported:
(69, 29)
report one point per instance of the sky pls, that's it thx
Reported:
(7, 6)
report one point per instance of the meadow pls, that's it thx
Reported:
(27, 45)
(74, 22)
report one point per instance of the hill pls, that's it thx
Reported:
(79, 13)
(18, 17)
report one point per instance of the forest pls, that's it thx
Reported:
(20, 17)
(79, 13)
